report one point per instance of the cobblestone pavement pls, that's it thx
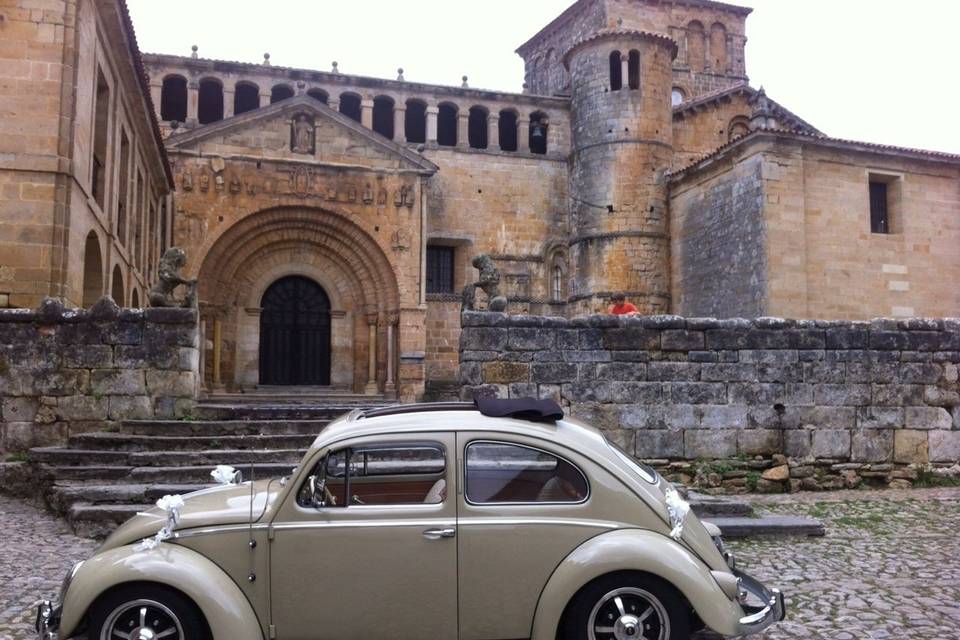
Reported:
(889, 566)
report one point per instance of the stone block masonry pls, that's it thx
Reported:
(773, 403)
(67, 371)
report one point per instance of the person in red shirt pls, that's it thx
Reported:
(620, 305)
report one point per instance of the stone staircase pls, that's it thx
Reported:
(100, 479)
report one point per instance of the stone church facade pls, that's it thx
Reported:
(331, 218)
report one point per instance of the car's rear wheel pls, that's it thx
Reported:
(146, 612)
(627, 606)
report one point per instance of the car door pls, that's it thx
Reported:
(378, 559)
(523, 507)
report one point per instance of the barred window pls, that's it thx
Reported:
(440, 269)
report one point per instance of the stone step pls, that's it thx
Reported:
(61, 497)
(103, 441)
(60, 456)
(99, 520)
(767, 525)
(706, 506)
(60, 473)
(225, 427)
(274, 410)
(191, 474)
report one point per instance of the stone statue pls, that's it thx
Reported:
(489, 283)
(161, 294)
(302, 135)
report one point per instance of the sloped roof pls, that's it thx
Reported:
(299, 104)
(819, 138)
(794, 121)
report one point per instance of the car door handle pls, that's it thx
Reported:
(436, 534)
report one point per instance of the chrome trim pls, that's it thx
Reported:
(437, 534)
(189, 533)
(572, 522)
(363, 524)
(773, 611)
(47, 624)
(466, 488)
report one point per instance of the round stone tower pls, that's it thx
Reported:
(622, 133)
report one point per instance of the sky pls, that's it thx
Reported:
(873, 70)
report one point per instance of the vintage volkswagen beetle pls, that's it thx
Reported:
(450, 520)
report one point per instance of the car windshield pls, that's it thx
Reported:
(645, 471)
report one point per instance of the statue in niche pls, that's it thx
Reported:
(382, 196)
(300, 180)
(302, 139)
(398, 197)
(408, 197)
(235, 186)
(218, 182)
(352, 194)
(162, 293)
(401, 240)
(367, 194)
(489, 283)
(204, 182)
(186, 181)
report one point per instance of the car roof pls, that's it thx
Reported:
(456, 417)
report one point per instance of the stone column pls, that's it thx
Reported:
(493, 132)
(624, 71)
(400, 124)
(432, 113)
(156, 94)
(463, 128)
(523, 135)
(366, 113)
(392, 320)
(228, 98)
(334, 103)
(193, 101)
(552, 136)
(264, 97)
(372, 388)
(217, 350)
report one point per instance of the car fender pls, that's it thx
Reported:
(634, 550)
(225, 607)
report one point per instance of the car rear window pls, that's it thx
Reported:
(503, 473)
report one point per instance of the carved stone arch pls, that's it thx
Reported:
(738, 127)
(696, 46)
(556, 262)
(718, 47)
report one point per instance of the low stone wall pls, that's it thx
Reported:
(65, 371)
(771, 403)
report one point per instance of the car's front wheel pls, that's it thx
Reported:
(146, 612)
(627, 606)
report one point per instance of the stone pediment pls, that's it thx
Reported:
(300, 129)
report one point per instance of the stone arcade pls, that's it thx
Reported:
(331, 219)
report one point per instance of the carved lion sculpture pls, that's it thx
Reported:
(489, 283)
(162, 293)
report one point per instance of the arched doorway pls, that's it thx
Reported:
(92, 271)
(295, 333)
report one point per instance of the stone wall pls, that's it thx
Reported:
(840, 399)
(64, 372)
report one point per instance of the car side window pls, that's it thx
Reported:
(380, 475)
(498, 473)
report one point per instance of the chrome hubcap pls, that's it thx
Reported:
(142, 620)
(629, 614)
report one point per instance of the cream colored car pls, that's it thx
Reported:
(433, 521)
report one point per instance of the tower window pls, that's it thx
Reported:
(633, 69)
(616, 72)
(676, 97)
(173, 99)
(415, 121)
(318, 94)
(556, 284)
(477, 128)
(101, 118)
(350, 106)
(538, 133)
(879, 208)
(280, 92)
(440, 269)
(508, 130)
(210, 103)
(383, 116)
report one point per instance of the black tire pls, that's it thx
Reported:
(593, 613)
(157, 607)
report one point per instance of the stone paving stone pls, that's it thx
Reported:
(889, 566)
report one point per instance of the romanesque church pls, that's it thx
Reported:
(331, 219)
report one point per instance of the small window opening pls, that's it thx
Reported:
(508, 130)
(92, 270)
(477, 128)
(498, 472)
(350, 106)
(616, 72)
(135, 299)
(280, 92)
(100, 123)
(138, 225)
(210, 102)
(123, 188)
(116, 287)
(447, 125)
(440, 269)
(676, 97)
(319, 94)
(879, 207)
(633, 69)
(556, 284)
(415, 121)
(383, 116)
(246, 97)
(173, 99)
(538, 133)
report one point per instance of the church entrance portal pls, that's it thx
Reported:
(295, 333)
